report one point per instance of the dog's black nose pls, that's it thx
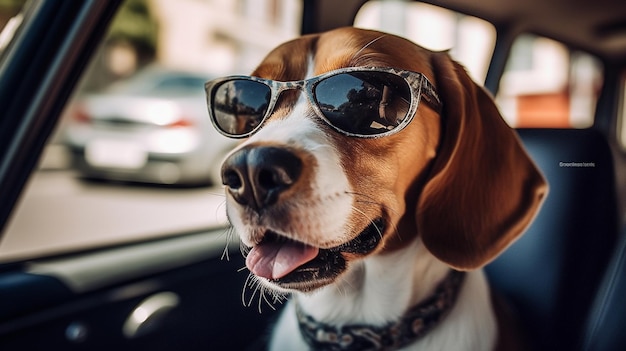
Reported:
(256, 175)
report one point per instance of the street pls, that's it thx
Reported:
(60, 213)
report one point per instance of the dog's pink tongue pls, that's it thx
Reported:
(276, 260)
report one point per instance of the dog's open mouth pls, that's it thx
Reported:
(294, 265)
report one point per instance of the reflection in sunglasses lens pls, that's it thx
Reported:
(365, 103)
(240, 105)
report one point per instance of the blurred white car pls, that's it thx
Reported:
(152, 128)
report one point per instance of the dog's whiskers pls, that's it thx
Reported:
(276, 298)
(256, 285)
(370, 220)
(395, 227)
(229, 233)
(372, 201)
(243, 249)
(220, 194)
(245, 286)
(220, 208)
(225, 252)
(261, 298)
(340, 286)
(367, 45)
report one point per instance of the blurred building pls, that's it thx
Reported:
(544, 85)
(547, 85)
(222, 36)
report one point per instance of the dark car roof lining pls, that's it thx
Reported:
(596, 26)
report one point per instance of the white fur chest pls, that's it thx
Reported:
(372, 297)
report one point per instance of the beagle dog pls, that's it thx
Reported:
(374, 181)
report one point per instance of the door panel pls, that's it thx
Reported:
(204, 312)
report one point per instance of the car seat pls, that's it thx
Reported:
(605, 328)
(551, 274)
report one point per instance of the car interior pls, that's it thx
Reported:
(565, 278)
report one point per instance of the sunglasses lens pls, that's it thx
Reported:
(364, 103)
(238, 106)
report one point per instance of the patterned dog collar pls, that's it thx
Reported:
(415, 323)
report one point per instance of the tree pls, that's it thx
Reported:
(135, 25)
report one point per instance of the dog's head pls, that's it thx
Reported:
(342, 165)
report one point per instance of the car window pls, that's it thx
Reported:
(11, 18)
(470, 40)
(546, 85)
(134, 156)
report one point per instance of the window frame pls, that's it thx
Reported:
(38, 72)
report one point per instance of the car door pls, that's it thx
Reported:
(180, 290)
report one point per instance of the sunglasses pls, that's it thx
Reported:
(365, 102)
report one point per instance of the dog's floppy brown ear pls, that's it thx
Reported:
(483, 190)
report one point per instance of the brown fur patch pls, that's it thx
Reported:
(381, 171)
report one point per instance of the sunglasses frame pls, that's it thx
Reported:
(420, 87)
